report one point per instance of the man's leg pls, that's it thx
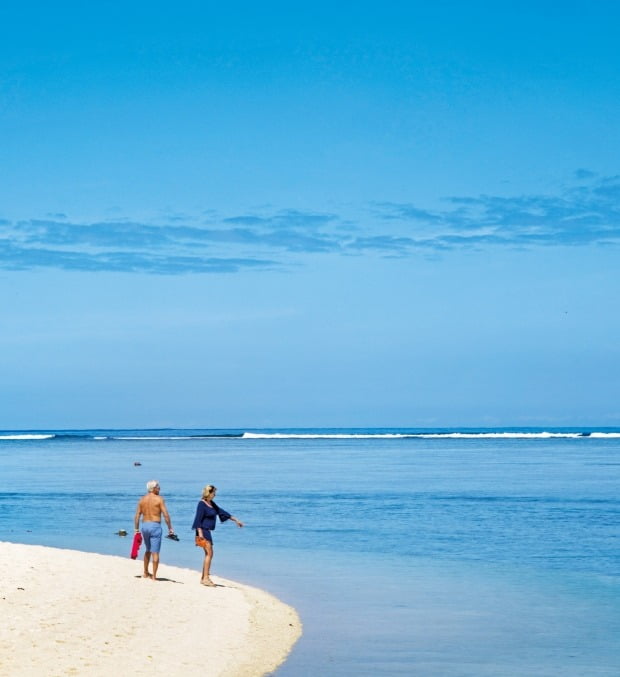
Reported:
(155, 565)
(156, 534)
(147, 559)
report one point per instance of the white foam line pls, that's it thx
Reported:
(26, 437)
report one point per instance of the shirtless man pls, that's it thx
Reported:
(151, 507)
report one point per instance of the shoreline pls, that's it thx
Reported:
(68, 612)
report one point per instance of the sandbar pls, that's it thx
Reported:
(66, 612)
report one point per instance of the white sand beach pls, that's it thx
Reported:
(72, 613)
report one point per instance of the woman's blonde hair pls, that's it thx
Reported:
(208, 490)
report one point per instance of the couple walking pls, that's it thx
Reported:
(152, 507)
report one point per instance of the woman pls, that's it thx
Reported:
(204, 523)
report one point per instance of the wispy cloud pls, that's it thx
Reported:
(582, 215)
(166, 249)
(288, 219)
(21, 258)
(587, 212)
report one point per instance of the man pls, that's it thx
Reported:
(151, 507)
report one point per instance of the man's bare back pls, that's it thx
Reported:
(151, 507)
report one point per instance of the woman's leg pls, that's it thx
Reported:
(206, 566)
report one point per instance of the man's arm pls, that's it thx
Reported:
(164, 512)
(136, 517)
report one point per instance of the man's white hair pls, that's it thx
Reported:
(151, 484)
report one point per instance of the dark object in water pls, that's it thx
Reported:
(137, 463)
(122, 532)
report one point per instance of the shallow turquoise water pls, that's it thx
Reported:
(404, 556)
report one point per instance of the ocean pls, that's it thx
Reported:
(426, 553)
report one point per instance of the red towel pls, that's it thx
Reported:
(135, 546)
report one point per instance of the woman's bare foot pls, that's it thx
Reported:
(146, 575)
(208, 581)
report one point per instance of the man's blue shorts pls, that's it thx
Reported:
(151, 532)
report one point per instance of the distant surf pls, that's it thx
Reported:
(434, 435)
(26, 436)
(182, 435)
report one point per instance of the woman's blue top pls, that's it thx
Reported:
(205, 516)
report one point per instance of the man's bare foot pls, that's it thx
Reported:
(208, 581)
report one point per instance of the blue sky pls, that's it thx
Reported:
(331, 214)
